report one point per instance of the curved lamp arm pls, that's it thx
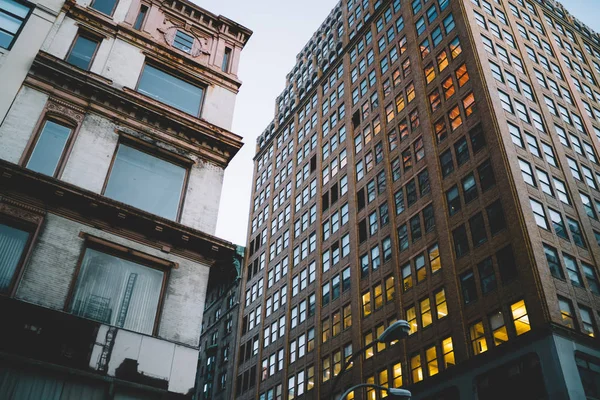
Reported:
(347, 364)
(393, 392)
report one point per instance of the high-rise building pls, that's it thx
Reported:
(115, 131)
(218, 341)
(434, 161)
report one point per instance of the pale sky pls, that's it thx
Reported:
(281, 29)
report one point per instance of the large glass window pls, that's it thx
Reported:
(82, 52)
(171, 90)
(12, 17)
(117, 292)
(146, 182)
(12, 246)
(49, 148)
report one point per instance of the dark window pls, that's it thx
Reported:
(117, 292)
(495, 215)
(226, 60)
(453, 200)
(447, 163)
(183, 41)
(141, 17)
(362, 231)
(429, 218)
(415, 228)
(403, 237)
(553, 262)
(411, 193)
(13, 242)
(325, 200)
(146, 182)
(486, 175)
(49, 148)
(576, 232)
(171, 90)
(507, 264)
(346, 279)
(461, 243)
(589, 372)
(334, 193)
(478, 233)
(82, 52)
(12, 18)
(104, 6)
(477, 138)
(469, 188)
(424, 186)
(360, 199)
(487, 277)
(468, 287)
(462, 151)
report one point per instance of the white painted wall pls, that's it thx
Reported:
(49, 274)
(219, 106)
(202, 197)
(90, 158)
(19, 123)
(15, 64)
(124, 64)
(61, 37)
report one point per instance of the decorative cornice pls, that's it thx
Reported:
(93, 93)
(35, 194)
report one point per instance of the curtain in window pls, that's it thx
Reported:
(12, 244)
(29, 385)
(117, 292)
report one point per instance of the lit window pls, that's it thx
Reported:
(478, 341)
(520, 317)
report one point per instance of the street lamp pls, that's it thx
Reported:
(393, 393)
(396, 331)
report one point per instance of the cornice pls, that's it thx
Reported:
(104, 26)
(38, 193)
(92, 92)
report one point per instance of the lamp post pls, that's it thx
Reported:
(398, 394)
(396, 331)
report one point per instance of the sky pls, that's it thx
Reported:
(281, 29)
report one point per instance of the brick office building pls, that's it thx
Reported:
(434, 161)
(112, 155)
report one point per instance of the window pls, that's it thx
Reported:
(498, 327)
(118, 292)
(13, 242)
(468, 288)
(539, 214)
(82, 52)
(50, 146)
(426, 317)
(566, 311)
(183, 41)
(417, 370)
(366, 303)
(170, 90)
(12, 17)
(146, 182)
(591, 278)
(141, 17)
(461, 243)
(226, 60)
(477, 333)
(520, 317)
(104, 6)
(487, 277)
(587, 321)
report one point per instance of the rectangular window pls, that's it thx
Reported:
(146, 182)
(520, 317)
(117, 292)
(104, 6)
(12, 18)
(171, 90)
(226, 60)
(141, 17)
(49, 148)
(13, 243)
(183, 41)
(82, 52)
(478, 341)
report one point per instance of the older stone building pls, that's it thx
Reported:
(114, 136)
(434, 161)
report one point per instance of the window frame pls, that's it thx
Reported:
(161, 154)
(23, 23)
(128, 254)
(87, 35)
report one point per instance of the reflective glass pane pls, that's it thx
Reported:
(49, 148)
(12, 244)
(82, 52)
(117, 292)
(146, 182)
(18, 9)
(170, 90)
(9, 23)
(104, 6)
